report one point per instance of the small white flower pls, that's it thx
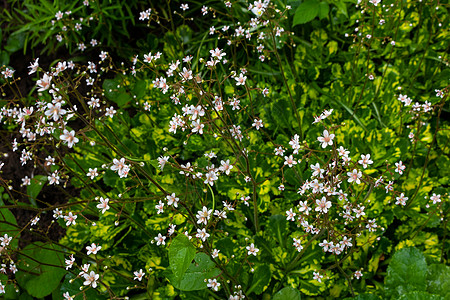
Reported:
(93, 249)
(252, 250)
(327, 139)
(213, 284)
(91, 279)
(139, 275)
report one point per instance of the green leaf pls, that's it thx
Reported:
(110, 178)
(307, 11)
(324, 9)
(4, 58)
(277, 224)
(140, 88)
(181, 254)
(33, 190)
(261, 278)
(365, 296)
(288, 293)
(8, 225)
(41, 269)
(439, 280)
(196, 275)
(15, 42)
(122, 99)
(420, 296)
(406, 272)
(342, 7)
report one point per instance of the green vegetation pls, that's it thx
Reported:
(224, 150)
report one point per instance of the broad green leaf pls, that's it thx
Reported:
(261, 278)
(181, 254)
(307, 11)
(8, 225)
(140, 88)
(438, 280)
(40, 268)
(33, 190)
(288, 293)
(15, 42)
(196, 275)
(324, 9)
(406, 272)
(342, 7)
(420, 296)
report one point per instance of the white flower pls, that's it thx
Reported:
(226, 166)
(92, 173)
(160, 239)
(203, 215)
(215, 253)
(5, 240)
(355, 176)
(202, 234)
(44, 83)
(138, 275)
(213, 284)
(327, 139)
(103, 206)
(323, 205)
(35, 220)
(69, 137)
(162, 161)
(33, 66)
(365, 160)
(91, 279)
(70, 219)
(290, 215)
(93, 249)
(241, 79)
(55, 111)
(69, 262)
(252, 249)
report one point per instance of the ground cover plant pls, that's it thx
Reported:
(225, 150)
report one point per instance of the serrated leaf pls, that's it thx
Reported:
(306, 11)
(438, 280)
(420, 296)
(288, 293)
(406, 272)
(181, 254)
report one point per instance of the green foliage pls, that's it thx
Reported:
(181, 254)
(406, 272)
(409, 277)
(287, 293)
(196, 274)
(267, 229)
(40, 268)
